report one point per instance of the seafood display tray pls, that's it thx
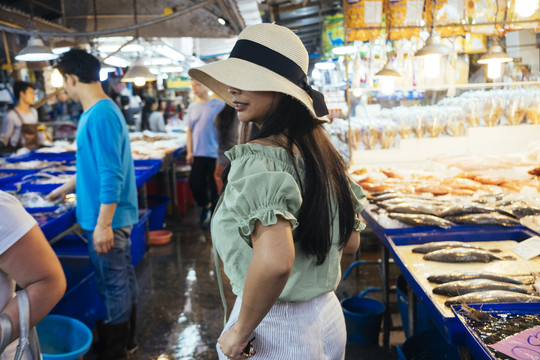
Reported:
(18, 174)
(474, 343)
(58, 225)
(414, 269)
(28, 185)
(35, 155)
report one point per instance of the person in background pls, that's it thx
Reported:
(129, 111)
(227, 128)
(20, 126)
(106, 200)
(152, 117)
(23, 243)
(202, 149)
(288, 207)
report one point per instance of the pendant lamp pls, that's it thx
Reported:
(495, 54)
(35, 50)
(138, 73)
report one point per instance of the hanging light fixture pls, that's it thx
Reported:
(433, 50)
(387, 76)
(495, 56)
(138, 73)
(35, 50)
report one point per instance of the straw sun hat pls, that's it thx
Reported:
(266, 57)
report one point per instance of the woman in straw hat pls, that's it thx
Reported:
(287, 211)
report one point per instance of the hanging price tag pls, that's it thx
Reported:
(522, 346)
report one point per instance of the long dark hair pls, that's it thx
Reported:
(325, 175)
(146, 111)
(223, 122)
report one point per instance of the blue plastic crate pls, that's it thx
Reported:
(68, 155)
(71, 245)
(57, 225)
(138, 232)
(158, 205)
(475, 344)
(27, 183)
(17, 175)
(81, 300)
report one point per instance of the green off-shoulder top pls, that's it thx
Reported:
(263, 184)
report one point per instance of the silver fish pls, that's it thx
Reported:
(461, 255)
(438, 245)
(422, 220)
(492, 218)
(465, 209)
(492, 297)
(462, 287)
(415, 208)
(455, 276)
(519, 210)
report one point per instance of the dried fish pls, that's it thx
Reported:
(461, 255)
(492, 297)
(455, 276)
(492, 218)
(439, 245)
(421, 220)
(463, 287)
(467, 208)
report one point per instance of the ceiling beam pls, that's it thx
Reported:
(45, 6)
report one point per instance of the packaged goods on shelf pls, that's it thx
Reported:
(363, 14)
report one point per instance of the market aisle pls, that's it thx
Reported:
(180, 312)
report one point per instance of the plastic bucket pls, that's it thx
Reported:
(62, 337)
(423, 319)
(427, 345)
(363, 319)
(158, 205)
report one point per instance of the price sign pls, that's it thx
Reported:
(522, 346)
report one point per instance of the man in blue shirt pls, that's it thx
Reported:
(106, 198)
(202, 148)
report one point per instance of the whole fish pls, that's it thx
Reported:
(492, 218)
(415, 208)
(519, 210)
(492, 297)
(438, 245)
(465, 209)
(455, 276)
(422, 220)
(463, 287)
(461, 255)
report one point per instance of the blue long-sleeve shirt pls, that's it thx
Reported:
(105, 170)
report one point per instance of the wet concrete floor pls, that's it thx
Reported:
(180, 313)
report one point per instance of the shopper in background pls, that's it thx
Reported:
(129, 111)
(152, 117)
(20, 126)
(202, 149)
(22, 243)
(288, 207)
(227, 128)
(106, 199)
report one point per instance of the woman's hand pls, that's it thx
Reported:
(232, 344)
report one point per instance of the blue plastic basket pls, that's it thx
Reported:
(158, 205)
(362, 318)
(427, 345)
(62, 337)
(138, 232)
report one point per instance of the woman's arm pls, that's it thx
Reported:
(354, 242)
(33, 265)
(268, 272)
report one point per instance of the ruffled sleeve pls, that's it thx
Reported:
(360, 201)
(263, 197)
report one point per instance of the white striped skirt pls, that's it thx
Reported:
(313, 329)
